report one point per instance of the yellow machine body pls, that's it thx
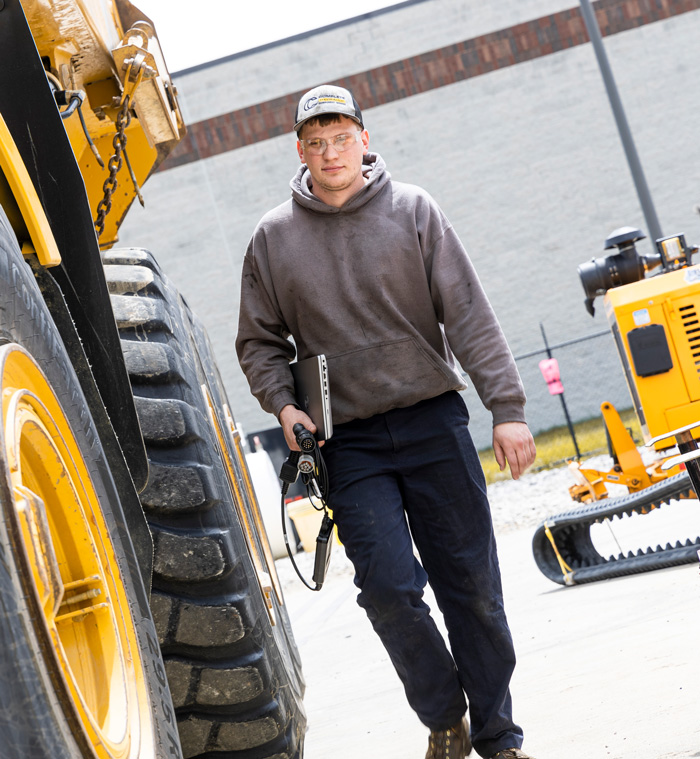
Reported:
(87, 113)
(109, 50)
(656, 324)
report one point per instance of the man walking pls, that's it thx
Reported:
(369, 272)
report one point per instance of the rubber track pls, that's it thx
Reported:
(234, 693)
(571, 533)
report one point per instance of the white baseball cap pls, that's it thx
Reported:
(328, 98)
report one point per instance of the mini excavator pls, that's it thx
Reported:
(652, 304)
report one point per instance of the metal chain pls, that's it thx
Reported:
(114, 164)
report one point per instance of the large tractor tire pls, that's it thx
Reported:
(81, 673)
(230, 656)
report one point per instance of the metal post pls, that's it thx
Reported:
(561, 398)
(640, 182)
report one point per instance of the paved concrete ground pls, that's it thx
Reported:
(609, 670)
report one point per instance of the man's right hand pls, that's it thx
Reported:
(289, 416)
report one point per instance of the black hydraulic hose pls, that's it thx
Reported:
(94, 150)
(73, 104)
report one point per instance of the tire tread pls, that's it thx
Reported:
(232, 693)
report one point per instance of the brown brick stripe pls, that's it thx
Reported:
(420, 73)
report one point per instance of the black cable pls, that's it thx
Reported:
(74, 99)
(289, 550)
(318, 476)
(90, 143)
(322, 476)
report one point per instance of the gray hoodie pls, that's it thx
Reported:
(384, 288)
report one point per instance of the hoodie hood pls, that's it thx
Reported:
(373, 169)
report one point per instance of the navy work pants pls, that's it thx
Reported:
(413, 473)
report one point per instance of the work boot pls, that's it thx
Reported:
(450, 744)
(511, 753)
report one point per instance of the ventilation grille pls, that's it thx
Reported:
(691, 325)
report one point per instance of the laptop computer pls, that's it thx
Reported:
(313, 394)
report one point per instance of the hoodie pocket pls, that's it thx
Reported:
(387, 375)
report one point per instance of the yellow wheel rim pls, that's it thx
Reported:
(73, 571)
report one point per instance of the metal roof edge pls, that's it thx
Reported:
(296, 37)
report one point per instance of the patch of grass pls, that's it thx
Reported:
(555, 447)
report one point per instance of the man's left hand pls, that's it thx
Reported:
(512, 442)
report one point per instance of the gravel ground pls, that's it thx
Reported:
(529, 500)
(535, 496)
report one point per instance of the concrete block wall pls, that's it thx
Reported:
(372, 40)
(525, 160)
